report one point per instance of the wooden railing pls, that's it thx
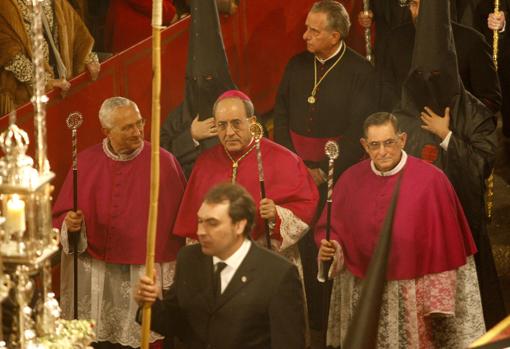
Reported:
(259, 40)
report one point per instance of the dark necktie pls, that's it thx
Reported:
(217, 278)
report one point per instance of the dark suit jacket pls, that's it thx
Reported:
(475, 64)
(262, 306)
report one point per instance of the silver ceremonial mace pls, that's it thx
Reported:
(368, 36)
(257, 132)
(331, 150)
(73, 121)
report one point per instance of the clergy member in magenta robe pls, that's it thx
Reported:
(291, 194)
(113, 202)
(432, 299)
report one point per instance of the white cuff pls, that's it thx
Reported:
(446, 141)
(64, 238)
(336, 265)
(292, 228)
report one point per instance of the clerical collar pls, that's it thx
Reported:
(394, 170)
(120, 157)
(235, 163)
(322, 61)
(237, 257)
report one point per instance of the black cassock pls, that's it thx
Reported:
(434, 81)
(346, 96)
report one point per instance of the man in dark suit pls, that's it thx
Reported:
(228, 293)
(475, 64)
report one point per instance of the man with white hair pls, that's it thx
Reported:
(111, 224)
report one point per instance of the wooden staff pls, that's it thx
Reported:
(490, 181)
(258, 132)
(368, 35)
(74, 120)
(157, 16)
(495, 44)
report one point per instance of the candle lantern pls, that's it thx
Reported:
(27, 238)
(27, 234)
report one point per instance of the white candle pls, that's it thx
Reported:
(15, 214)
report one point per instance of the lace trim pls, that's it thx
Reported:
(292, 229)
(436, 311)
(82, 242)
(336, 265)
(105, 295)
(120, 157)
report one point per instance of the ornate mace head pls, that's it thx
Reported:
(74, 120)
(331, 149)
(257, 131)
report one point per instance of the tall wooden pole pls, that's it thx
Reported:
(495, 44)
(154, 189)
(490, 181)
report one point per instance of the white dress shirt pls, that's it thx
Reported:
(233, 262)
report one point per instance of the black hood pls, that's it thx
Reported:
(207, 74)
(433, 79)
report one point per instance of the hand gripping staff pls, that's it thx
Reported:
(73, 121)
(258, 132)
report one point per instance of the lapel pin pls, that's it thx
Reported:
(243, 278)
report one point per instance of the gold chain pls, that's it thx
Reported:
(316, 84)
(235, 163)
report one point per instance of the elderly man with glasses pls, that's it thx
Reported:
(111, 224)
(291, 195)
(432, 299)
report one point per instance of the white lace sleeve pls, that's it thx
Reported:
(336, 266)
(64, 238)
(292, 229)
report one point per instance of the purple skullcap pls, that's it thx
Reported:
(234, 94)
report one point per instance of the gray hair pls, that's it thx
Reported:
(379, 119)
(111, 104)
(338, 18)
(248, 106)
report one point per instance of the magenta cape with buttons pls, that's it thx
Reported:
(287, 183)
(114, 198)
(430, 231)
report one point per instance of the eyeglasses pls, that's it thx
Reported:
(131, 127)
(389, 143)
(235, 124)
